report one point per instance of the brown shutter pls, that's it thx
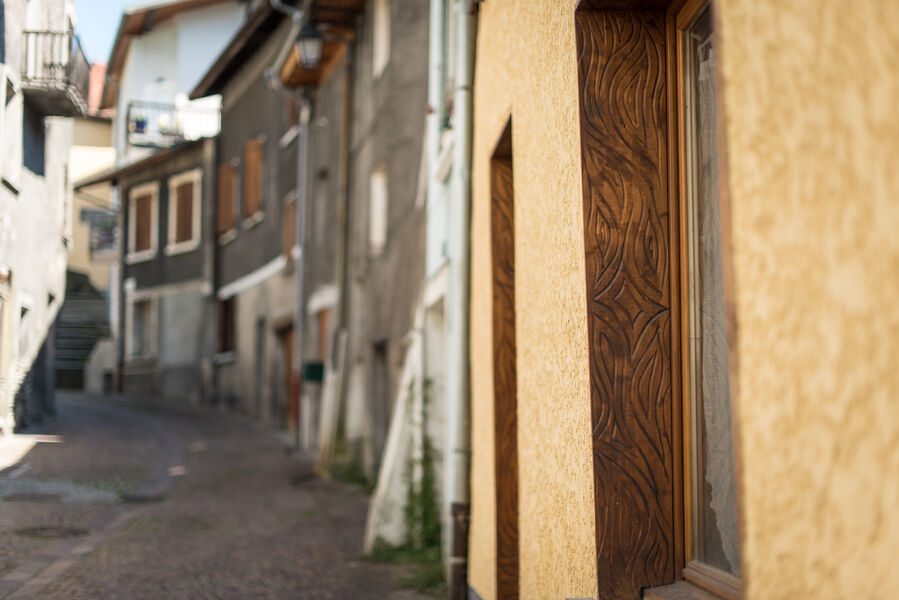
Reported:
(225, 212)
(143, 216)
(323, 320)
(288, 227)
(254, 168)
(184, 225)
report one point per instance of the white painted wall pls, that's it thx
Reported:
(164, 64)
(34, 209)
(202, 35)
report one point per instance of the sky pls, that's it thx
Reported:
(98, 21)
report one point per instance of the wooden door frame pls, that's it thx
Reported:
(505, 371)
(631, 223)
(658, 491)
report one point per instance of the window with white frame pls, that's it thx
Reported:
(143, 218)
(185, 193)
(381, 40)
(378, 210)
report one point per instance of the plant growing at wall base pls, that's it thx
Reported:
(421, 513)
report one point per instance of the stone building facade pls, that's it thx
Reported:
(167, 316)
(255, 194)
(36, 111)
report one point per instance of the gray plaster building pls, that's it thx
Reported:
(385, 269)
(164, 322)
(43, 83)
(320, 219)
(256, 183)
(167, 313)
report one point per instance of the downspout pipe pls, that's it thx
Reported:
(459, 442)
(298, 17)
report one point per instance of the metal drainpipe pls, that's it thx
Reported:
(298, 16)
(302, 193)
(460, 434)
(300, 237)
(343, 243)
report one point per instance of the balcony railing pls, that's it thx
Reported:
(56, 72)
(162, 125)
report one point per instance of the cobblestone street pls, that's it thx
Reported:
(114, 500)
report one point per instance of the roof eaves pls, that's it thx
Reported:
(114, 174)
(237, 52)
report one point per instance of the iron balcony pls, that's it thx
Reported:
(55, 73)
(156, 125)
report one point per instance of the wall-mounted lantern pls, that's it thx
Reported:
(309, 46)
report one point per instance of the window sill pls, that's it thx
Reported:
(182, 247)
(103, 255)
(701, 582)
(15, 188)
(713, 581)
(227, 237)
(253, 220)
(289, 136)
(139, 257)
(677, 591)
(141, 361)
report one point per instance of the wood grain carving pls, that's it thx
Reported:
(502, 229)
(622, 69)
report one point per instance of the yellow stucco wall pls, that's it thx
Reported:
(812, 109)
(91, 153)
(812, 123)
(526, 66)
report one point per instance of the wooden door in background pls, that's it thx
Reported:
(291, 383)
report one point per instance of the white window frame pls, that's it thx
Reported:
(380, 46)
(194, 176)
(144, 255)
(378, 211)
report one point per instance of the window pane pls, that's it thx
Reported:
(226, 187)
(378, 212)
(288, 231)
(254, 167)
(715, 504)
(184, 226)
(142, 228)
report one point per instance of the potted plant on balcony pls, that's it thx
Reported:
(139, 123)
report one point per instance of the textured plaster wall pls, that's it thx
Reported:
(526, 67)
(811, 92)
(812, 140)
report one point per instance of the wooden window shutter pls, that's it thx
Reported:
(288, 227)
(253, 179)
(225, 209)
(184, 223)
(324, 318)
(142, 226)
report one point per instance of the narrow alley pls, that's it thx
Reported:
(139, 502)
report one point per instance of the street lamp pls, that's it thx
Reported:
(309, 46)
